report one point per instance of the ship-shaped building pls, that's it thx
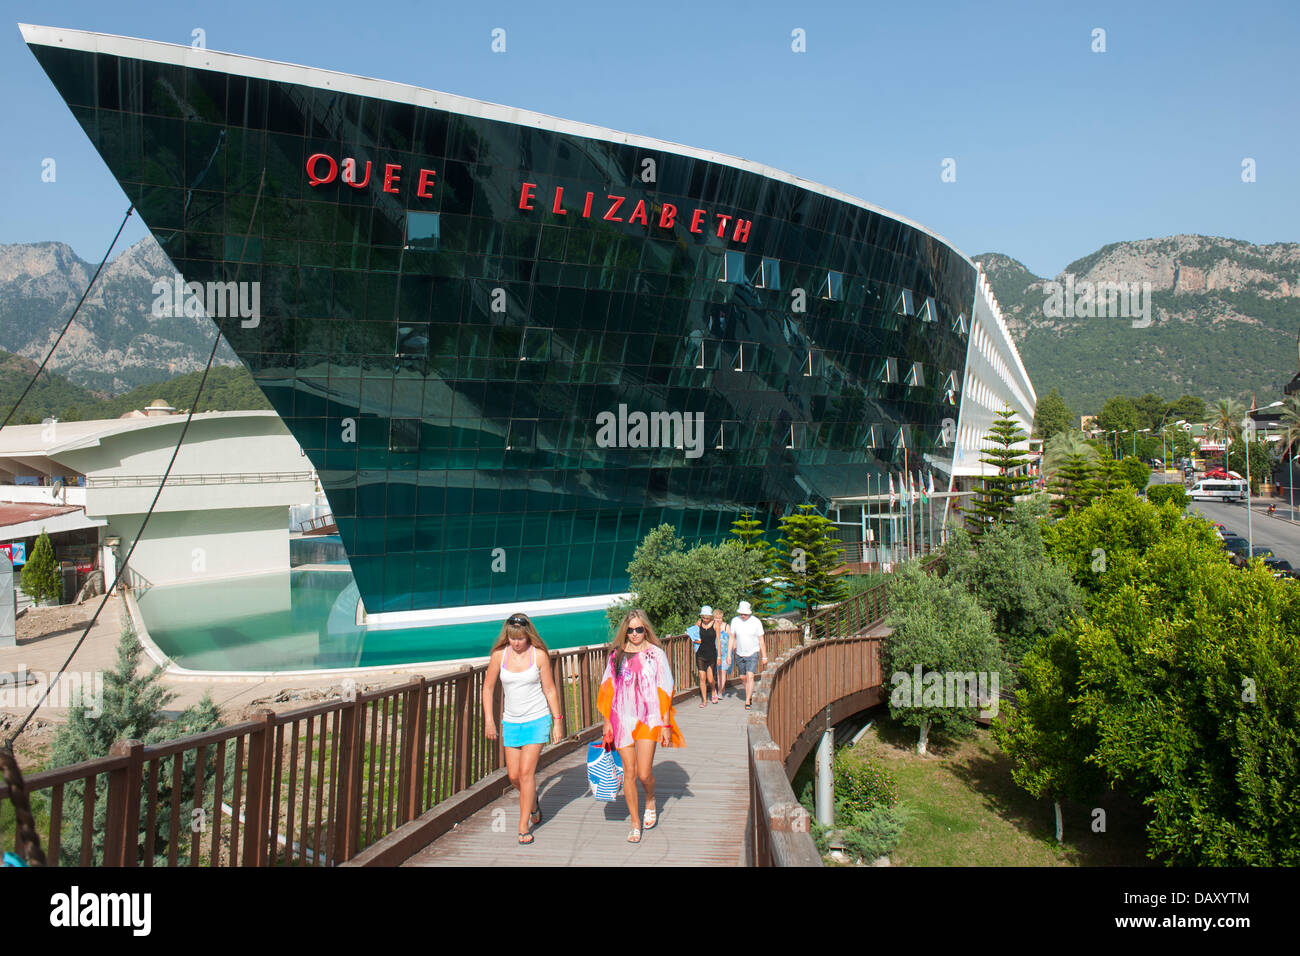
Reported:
(511, 345)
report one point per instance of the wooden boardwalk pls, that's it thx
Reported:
(702, 791)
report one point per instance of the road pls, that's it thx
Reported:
(1277, 532)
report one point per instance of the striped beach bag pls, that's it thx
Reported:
(604, 772)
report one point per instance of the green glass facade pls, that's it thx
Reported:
(445, 354)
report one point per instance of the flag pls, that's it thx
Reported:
(893, 498)
(911, 490)
(931, 484)
(924, 497)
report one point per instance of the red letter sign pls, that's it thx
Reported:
(391, 179)
(526, 195)
(425, 183)
(316, 180)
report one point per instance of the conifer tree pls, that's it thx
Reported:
(806, 554)
(41, 573)
(999, 491)
(748, 531)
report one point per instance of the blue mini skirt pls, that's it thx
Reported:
(530, 732)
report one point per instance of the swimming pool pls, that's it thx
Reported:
(306, 620)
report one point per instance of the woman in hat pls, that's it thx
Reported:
(704, 639)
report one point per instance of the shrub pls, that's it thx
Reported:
(40, 576)
(1160, 494)
(875, 833)
(860, 785)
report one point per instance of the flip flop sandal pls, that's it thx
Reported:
(526, 839)
(651, 819)
(538, 814)
(634, 836)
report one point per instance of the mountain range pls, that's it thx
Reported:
(1224, 315)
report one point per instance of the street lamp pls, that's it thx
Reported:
(1248, 428)
(1136, 431)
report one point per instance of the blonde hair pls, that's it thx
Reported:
(509, 630)
(620, 636)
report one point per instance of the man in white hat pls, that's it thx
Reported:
(747, 636)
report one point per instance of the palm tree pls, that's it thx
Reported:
(1226, 418)
(1063, 446)
(1290, 421)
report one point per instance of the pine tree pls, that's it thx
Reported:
(998, 492)
(806, 554)
(129, 708)
(1073, 484)
(748, 530)
(41, 573)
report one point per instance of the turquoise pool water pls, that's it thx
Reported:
(305, 620)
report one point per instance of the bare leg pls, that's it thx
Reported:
(749, 688)
(645, 758)
(629, 783)
(704, 688)
(528, 785)
(514, 762)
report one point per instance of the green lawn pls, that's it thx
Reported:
(966, 810)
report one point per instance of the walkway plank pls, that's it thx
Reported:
(702, 793)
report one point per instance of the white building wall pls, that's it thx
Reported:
(995, 379)
(187, 546)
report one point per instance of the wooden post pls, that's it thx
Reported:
(256, 797)
(409, 772)
(346, 800)
(122, 824)
(460, 768)
(584, 678)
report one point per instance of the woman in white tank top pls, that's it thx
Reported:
(531, 712)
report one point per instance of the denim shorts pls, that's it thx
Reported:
(746, 665)
(530, 732)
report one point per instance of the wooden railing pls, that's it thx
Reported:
(309, 787)
(806, 691)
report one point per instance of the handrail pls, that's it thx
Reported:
(836, 673)
(224, 478)
(311, 786)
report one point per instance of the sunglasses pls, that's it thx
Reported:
(518, 621)
(636, 630)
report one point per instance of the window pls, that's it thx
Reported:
(797, 436)
(535, 345)
(708, 354)
(404, 435)
(746, 352)
(929, 311)
(889, 374)
(915, 376)
(834, 287)
(522, 435)
(959, 323)
(413, 341)
(903, 305)
(733, 267)
(813, 363)
(727, 435)
(423, 231)
(769, 274)
(872, 439)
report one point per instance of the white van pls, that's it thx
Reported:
(1223, 489)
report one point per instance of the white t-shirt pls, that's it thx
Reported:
(746, 634)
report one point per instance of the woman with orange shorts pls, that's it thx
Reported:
(636, 700)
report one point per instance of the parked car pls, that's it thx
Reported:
(1239, 558)
(1280, 568)
(1238, 546)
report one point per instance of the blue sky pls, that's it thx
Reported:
(1058, 150)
